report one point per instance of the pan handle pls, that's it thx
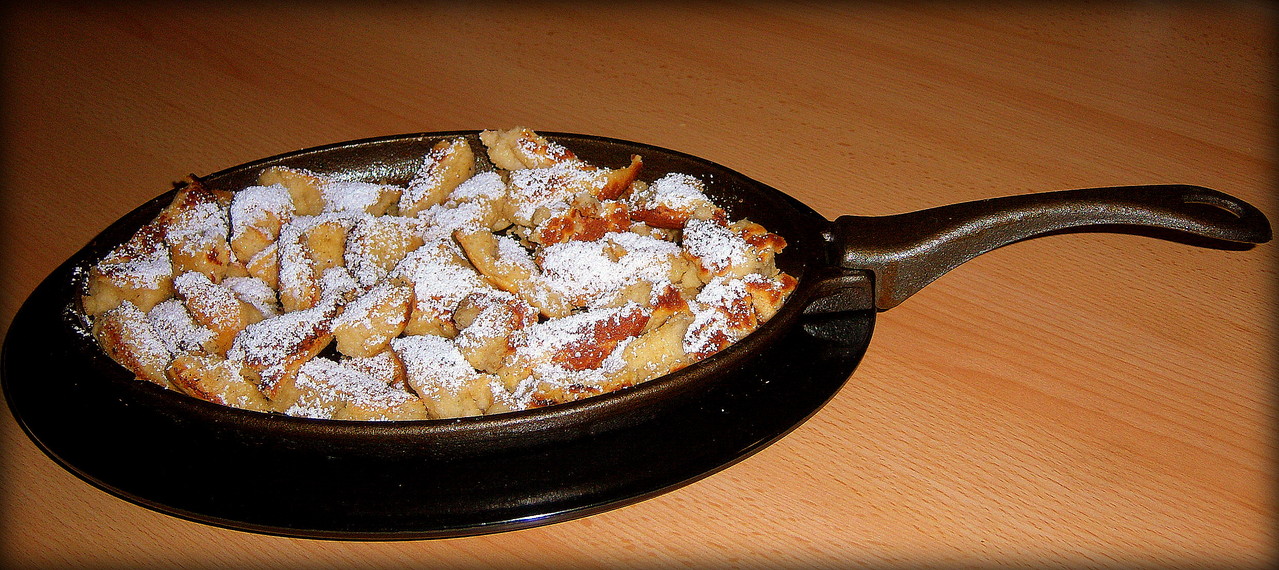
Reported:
(905, 252)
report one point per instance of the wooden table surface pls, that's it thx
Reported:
(1079, 400)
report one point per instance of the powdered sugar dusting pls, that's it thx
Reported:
(149, 271)
(433, 364)
(255, 205)
(430, 178)
(589, 271)
(195, 229)
(440, 221)
(581, 341)
(552, 187)
(337, 283)
(501, 313)
(677, 191)
(358, 312)
(438, 283)
(175, 327)
(142, 262)
(327, 386)
(206, 298)
(548, 282)
(485, 187)
(254, 291)
(373, 244)
(722, 314)
(509, 251)
(350, 196)
(274, 345)
(716, 246)
(149, 343)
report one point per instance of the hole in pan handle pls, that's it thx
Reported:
(907, 251)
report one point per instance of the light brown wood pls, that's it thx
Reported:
(1101, 400)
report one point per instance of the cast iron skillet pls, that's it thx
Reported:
(426, 479)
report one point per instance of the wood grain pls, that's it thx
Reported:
(1085, 400)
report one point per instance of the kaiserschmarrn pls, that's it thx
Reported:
(472, 289)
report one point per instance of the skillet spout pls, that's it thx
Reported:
(905, 252)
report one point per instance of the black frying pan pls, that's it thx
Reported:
(441, 478)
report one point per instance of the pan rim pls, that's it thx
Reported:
(560, 415)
